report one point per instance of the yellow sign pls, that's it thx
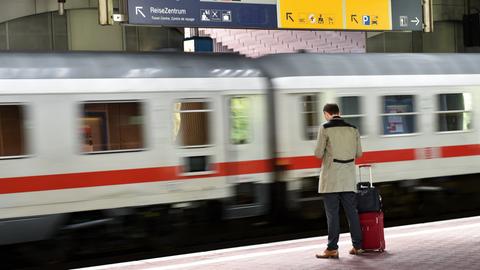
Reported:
(368, 15)
(335, 14)
(310, 14)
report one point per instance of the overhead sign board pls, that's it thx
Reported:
(367, 15)
(206, 13)
(308, 14)
(363, 15)
(407, 15)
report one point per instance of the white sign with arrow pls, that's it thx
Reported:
(408, 15)
(416, 21)
(138, 10)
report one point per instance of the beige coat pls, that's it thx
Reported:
(339, 141)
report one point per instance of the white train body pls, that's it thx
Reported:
(53, 175)
(424, 153)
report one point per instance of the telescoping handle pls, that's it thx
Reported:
(370, 172)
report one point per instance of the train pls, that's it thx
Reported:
(91, 137)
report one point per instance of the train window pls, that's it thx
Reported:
(399, 116)
(455, 112)
(239, 119)
(351, 111)
(190, 123)
(310, 116)
(196, 164)
(110, 126)
(12, 133)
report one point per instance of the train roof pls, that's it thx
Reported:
(307, 64)
(34, 65)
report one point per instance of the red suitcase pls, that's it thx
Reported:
(371, 223)
(373, 237)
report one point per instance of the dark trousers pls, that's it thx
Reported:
(349, 203)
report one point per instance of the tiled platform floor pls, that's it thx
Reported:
(452, 244)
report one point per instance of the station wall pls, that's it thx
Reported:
(84, 32)
(37, 26)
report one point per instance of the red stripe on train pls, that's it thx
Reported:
(310, 162)
(119, 177)
(144, 175)
(461, 150)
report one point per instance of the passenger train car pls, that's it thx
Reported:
(113, 132)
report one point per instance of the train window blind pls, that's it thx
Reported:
(399, 115)
(350, 109)
(112, 126)
(12, 133)
(240, 120)
(191, 123)
(454, 112)
(310, 116)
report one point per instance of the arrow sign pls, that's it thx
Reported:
(289, 16)
(139, 10)
(416, 21)
(353, 18)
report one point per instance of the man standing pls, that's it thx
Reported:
(338, 145)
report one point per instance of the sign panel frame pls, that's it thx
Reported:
(351, 15)
(202, 13)
(407, 15)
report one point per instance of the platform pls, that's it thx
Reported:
(451, 244)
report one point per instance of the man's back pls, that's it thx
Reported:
(342, 139)
(338, 145)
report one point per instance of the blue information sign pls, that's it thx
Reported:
(198, 13)
(407, 15)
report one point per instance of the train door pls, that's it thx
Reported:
(197, 152)
(299, 131)
(193, 133)
(246, 154)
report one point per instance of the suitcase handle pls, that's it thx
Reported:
(369, 166)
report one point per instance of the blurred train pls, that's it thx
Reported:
(106, 135)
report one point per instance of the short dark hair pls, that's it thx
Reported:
(331, 108)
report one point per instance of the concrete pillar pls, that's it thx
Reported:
(84, 32)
